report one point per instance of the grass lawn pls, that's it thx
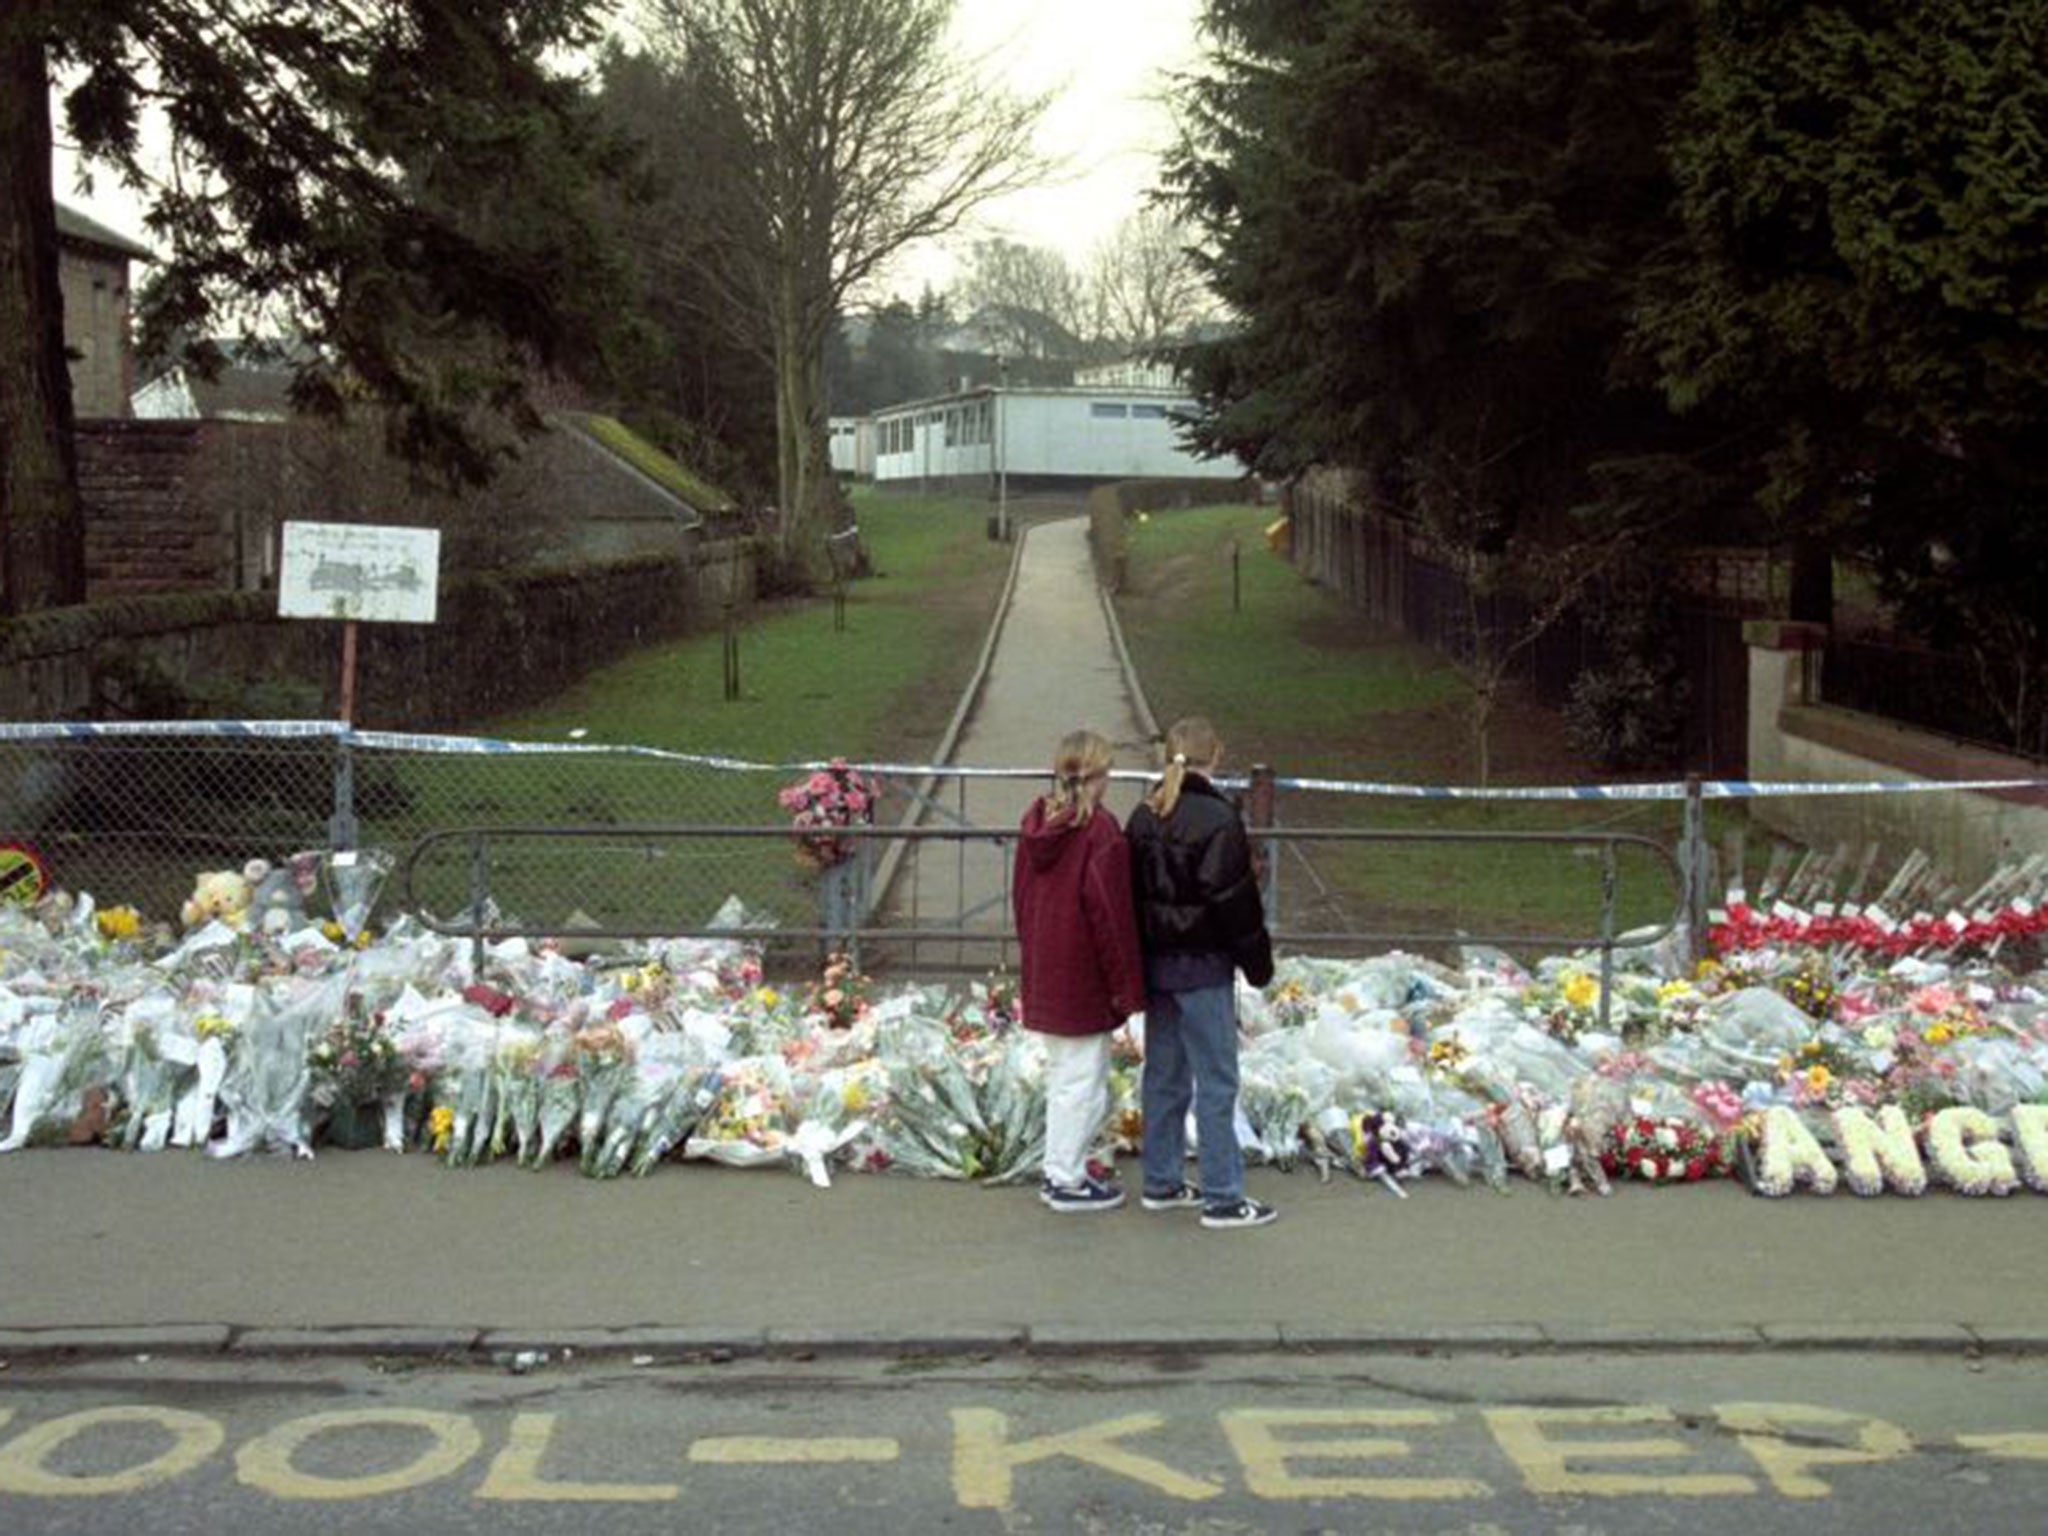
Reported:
(881, 689)
(885, 686)
(1292, 677)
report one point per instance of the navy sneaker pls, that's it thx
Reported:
(1184, 1197)
(1088, 1195)
(1239, 1213)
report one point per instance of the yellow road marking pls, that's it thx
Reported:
(985, 1459)
(768, 1450)
(1757, 1425)
(266, 1462)
(2026, 1447)
(515, 1475)
(194, 1437)
(1542, 1461)
(1252, 1433)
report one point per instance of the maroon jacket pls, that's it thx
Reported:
(1076, 926)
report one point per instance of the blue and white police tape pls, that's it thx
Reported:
(485, 746)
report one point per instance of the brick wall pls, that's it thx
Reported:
(148, 525)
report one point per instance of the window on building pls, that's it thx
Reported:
(1107, 410)
(1148, 413)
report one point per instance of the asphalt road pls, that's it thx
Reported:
(1399, 1442)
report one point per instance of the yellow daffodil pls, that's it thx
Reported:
(767, 997)
(333, 932)
(1675, 989)
(1581, 990)
(118, 922)
(1818, 1078)
(1938, 1034)
(855, 1097)
(441, 1123)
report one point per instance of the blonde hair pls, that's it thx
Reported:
(1189, 741)
(1081, 755)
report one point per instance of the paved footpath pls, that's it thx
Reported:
(1054, 668)
(367, 1252)
(425, 1256)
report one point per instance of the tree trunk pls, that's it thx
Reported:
(42, 529)
(1813, 581)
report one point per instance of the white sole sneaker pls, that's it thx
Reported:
(1246, 1213)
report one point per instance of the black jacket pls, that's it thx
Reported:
(1192, 878)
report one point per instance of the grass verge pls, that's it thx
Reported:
(1219, 625)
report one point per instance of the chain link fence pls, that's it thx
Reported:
(560, 838)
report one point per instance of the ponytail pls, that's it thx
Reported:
(1081, 755)
(1190, 740)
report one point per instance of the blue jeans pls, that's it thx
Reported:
(1191, 1054)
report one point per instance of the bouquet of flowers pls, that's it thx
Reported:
(830, 797)
(357, 1066)
(1665, 1149)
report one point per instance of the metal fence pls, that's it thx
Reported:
(493, 837)
(1994, 702)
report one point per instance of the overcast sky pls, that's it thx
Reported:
(1108, 61)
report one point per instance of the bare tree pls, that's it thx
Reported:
(1145, 285)
(1028, 299)
(850, 132)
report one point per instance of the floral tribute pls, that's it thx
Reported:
(1666, 1149)
(1792, 1065)
(831, 797)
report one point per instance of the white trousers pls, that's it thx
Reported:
(1076, 1102)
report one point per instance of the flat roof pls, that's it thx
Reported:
(1055, 391)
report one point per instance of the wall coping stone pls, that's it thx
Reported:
(1784, 635)
(1919, 753)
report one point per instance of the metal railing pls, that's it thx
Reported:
(489, 872)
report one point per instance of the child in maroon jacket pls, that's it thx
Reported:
(1082, 974)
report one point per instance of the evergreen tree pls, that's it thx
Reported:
(405, 184)
(1431, 219)
(1865, 280)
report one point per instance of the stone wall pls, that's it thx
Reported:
(1795, 735)
(500, 643)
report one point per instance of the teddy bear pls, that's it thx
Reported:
(277, 898)
(218, 893)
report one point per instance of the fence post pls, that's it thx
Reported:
(479, 894)
(341, 826)
(1259, 816)
(1692, 867)
(1606, 929)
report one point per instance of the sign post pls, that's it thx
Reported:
(357, 573)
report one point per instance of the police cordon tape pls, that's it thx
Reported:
(485, 746)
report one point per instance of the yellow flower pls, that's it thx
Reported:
(1937, 1034)
(442, 1124)
(119, 923)
(767, 997)
(1811, 1048)
(1581, 990)
(855, 1097)
(1675, 989)
(332, 931)
(211, 1026)
(1818, 1078)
